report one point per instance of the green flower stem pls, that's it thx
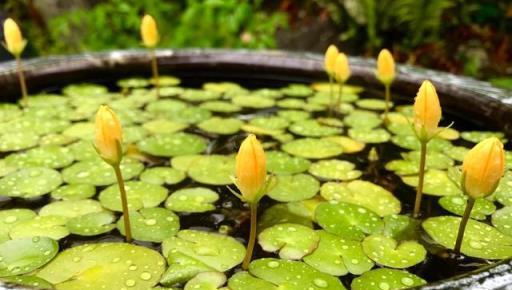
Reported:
(21, 76)
(388, 100)
(463, 223)
(331, 97)
(419, 190)
(154, 69)
(124, 203)
(252, 235)
(338, 99)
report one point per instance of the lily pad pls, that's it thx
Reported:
(387, 252)
(98, 172)
(503, 193)
(297, 90)
(272, 123)
(253, 102)
(437, 183)
(83, 150)
(243, 280)
(362, 120)
(362, 193)
(74, 192)
(11, 217)
(337, 256)
(206, 281)
(478, 136)
(293, 115)
(456, 204)
(220, 106)
(334, 169)
(348, 221)
(456, 152)
(191, 252)
(163, 126)
(190, 115)
(402, 167)
(411, 142)
(25, 255)
(373, 104)
(198, 199)
(169, 145)
(104, 266)
(18, 141)
(213, 169)
(165, 108)
(92, 224)
(162, 175)
(29, 281)
(502, 220)
(222, 126)
(42, 226)
(401, 227)
(435, 159)
(139, 194)
(30, 182)
(281, 163)
(480, 240)
(349, 145)
(294, 187)
(292, 212)
(369, 135)
(151, 224)
(312, 148)
(383, 278)
(47, 156)
(195, 95)
(312, 128)
(292, 241)
(71, 208)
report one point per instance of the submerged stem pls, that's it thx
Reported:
(463, 223)
(252, 236)
(154, 69)
(21, 76)
(124, 203)
(419, 190)
(388, 100)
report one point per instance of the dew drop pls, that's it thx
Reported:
(130, 283)
(384, 286)
(151, 222)
(145, 276)
(273, 264)
(407, 281)
(132, 268)
(320, 283)
(475, 245)
(76, 259)
(10, 219)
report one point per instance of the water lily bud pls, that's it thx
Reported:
(341, 68)
(109, 136)
(483, 168)
(14, 41)
(330, 59)
(149, 31)
(427, 112)
(385, 67)
(251, 169)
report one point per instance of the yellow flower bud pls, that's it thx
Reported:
(14, 41)
(427, 112)
(251, 169)
(149, 31)
(341, 68)
(385, 67)
(483, 168)
(109, 136)
(330, 59)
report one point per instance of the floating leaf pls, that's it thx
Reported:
(163, 126)
(389, 279)
(212, 169)
(411, 142)
(42, 226)
(437, 183)
(74, 192)
(337, 256)
(349, 145)
(502, 220)
(480, 240)
(334, 169)
(401, 227)
(294, 187)
(84, 150)
(30, 182)
(222, 126)
(293, 115)
(29, 281)
(139, 194)
(206, 281)
(347, 220)
(292, 241)
(362, 193)
(198, 199)
(478, 136)
(503, 193)
(402, 167)
(272, 123)
(82, 130)
(434, 160)
(92, 224)
(220, 106)
(456, 204)
(98, 172)
(170, 145)
(192, 252)
(297, 90)
(373, 104)
(243, 280)
(312, 128)
(312, 148)
(151, 224)
(18, 141)
(195, 95)
(292, 212)
(253, 102)
(104, 266)
(290, 103)
(25, 255)
(71, 208)
(362, 120)
(190, 115)
(281, 163)
(456, 152)
(11, 217)
(47, 156)
(369, 135)
(162, 175)
(134, 82)
(387, 252)
(165, 108)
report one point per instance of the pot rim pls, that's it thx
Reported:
(469, 98)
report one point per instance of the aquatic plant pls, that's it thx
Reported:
(341, 74)
(150, 39)
(15, 44)
(331, 55)
(386, 74)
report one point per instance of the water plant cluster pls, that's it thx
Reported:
(156, 185)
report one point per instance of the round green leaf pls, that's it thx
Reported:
(373, 104)
(74, 192)
(151, 224)
(291, 212)
(139, 194)
(502, 220)
(25, 255)
(478, 136)
(312, 148)
(29, 281)
(206, 281)
(18, 141)
(387, 252)
(98, 172)
(334, 169)
(294, 187)
(220, 106)
(212, 169)
(30, 182)
(456, 204)
(281, 163)
(169, 145)
(292, 241)
(47, 156)
(366, 135)
(362, 120)
(162, 175)
(312, 128)
(42, 226)
(92, 224)
(11, 217)
(271, 123)
(389, 279)
(253, 102)
(163, 126)
(222, 126)
(71, 208)
(198, 199)
(437, 183)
